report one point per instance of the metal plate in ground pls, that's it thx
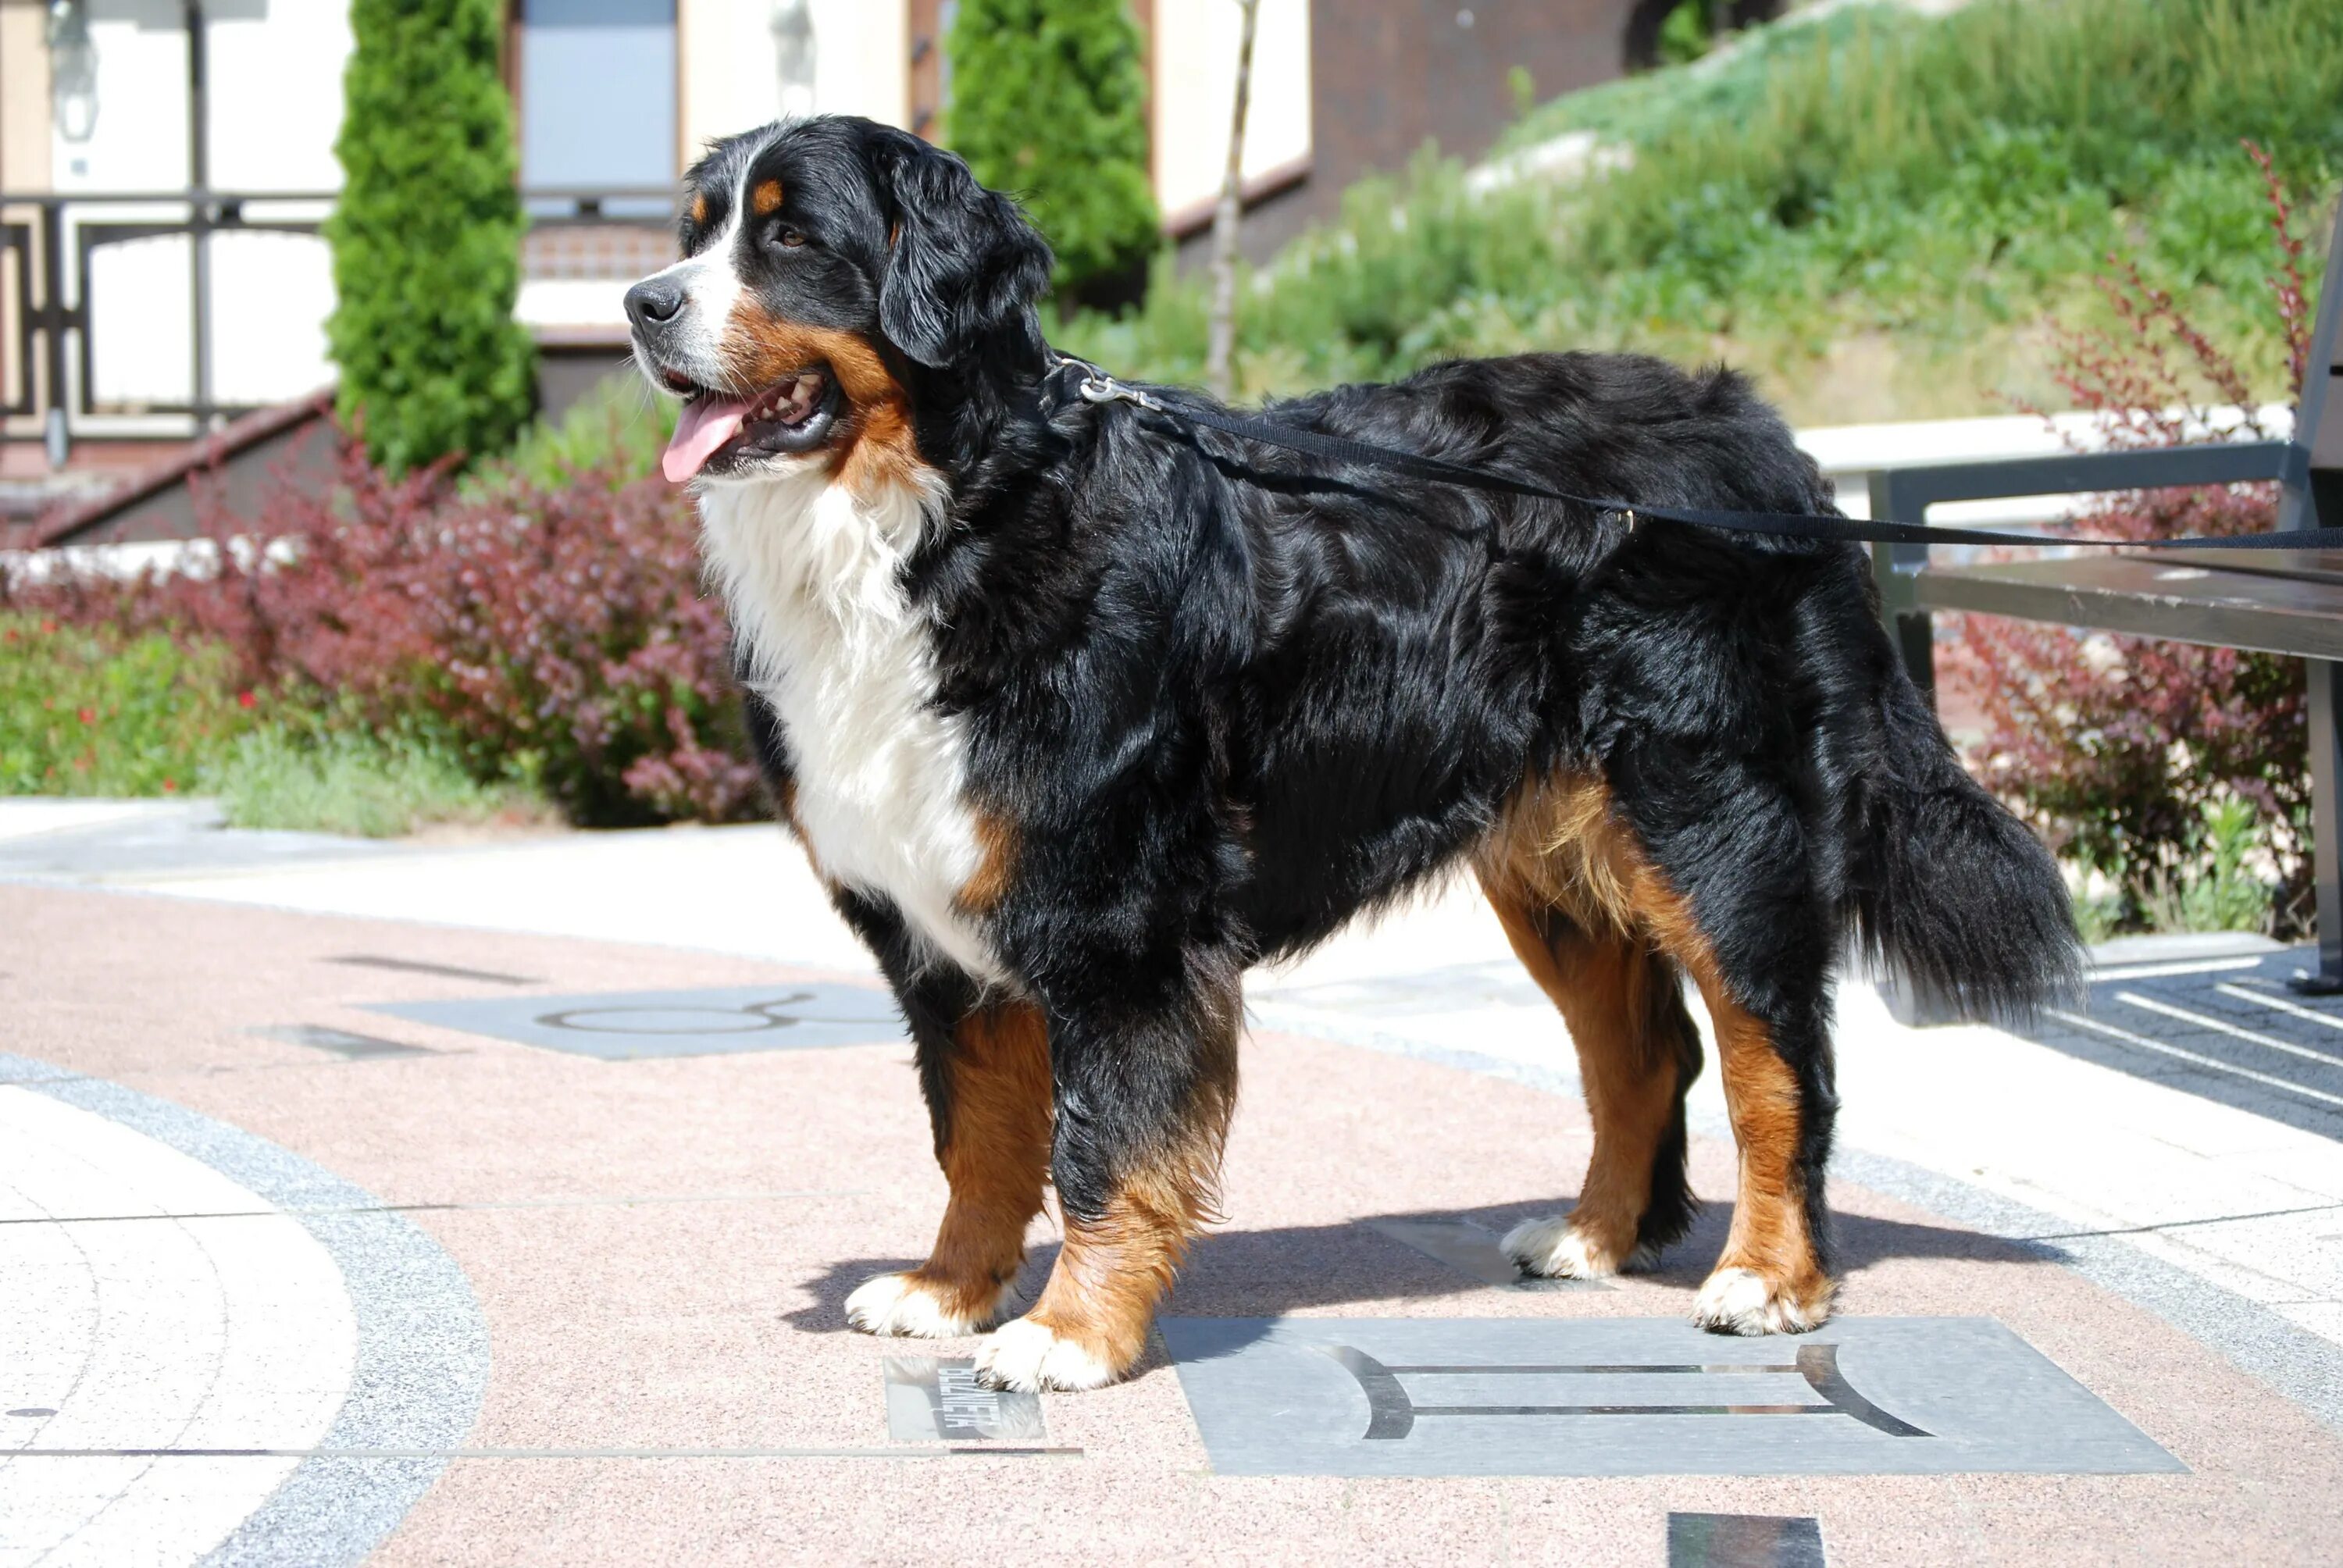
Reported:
(1745, 1540)
(626, 1026)
(931, 1399)
(1466, 1247)
(1638, 1396)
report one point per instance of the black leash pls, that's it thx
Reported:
(1097, 386)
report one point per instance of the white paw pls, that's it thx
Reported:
(1551, 1250)
(1742, 1302)
(1031, 1356)
(900, 1304)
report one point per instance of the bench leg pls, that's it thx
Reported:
(2326, 827)
(1916, 639)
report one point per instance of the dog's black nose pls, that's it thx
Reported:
(652, 300)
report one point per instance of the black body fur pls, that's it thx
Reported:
(1232, 698)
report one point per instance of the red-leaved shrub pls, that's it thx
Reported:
(2120, 745)
(559, 635)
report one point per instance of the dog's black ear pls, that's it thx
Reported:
(960, 260)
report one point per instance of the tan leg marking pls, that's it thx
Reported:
(1768, 1281)
(1559, 842)
(1091, 1322)
(1601, 983)
(997, 1157)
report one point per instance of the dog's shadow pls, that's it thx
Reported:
(1269, 1273)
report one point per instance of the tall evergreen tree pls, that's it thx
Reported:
(426, 236)
(1048, 102)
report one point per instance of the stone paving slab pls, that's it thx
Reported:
(660, 1249)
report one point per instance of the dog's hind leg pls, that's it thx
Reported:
(1638, 1052)
(1586, 897)
(1762, 963)
(1145, 1083)
(988, 1083)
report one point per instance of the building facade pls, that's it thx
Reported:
(166, 314)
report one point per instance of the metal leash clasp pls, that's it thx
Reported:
(1097, 386)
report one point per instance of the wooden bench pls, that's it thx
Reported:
(2284, 602)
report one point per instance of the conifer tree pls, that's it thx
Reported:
(427, 235)
(1048, 102)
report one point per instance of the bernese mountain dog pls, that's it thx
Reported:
(1079, 713)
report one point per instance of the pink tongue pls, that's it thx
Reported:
(706, 423)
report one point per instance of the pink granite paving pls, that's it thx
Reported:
(660, 1248)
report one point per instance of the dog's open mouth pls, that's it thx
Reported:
(716, 433)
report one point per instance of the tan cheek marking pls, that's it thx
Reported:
(996, 1155)
(880, 448)
(766, 200)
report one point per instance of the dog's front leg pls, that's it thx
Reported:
(987, 1088)
(1145, 1082)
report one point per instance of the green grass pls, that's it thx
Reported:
(86, 711)
(353, 782)
(1877, 213)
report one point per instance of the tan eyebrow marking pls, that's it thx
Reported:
(766, 199)
(699, 209)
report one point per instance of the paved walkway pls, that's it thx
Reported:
(299, 1279)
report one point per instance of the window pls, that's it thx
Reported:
(598, 94)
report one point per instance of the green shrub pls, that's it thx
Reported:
(89, 710)
(85, 710)
(426, 236)
(1875, 179)
(1048, 102)
(613, 435)
(317, 779)
(2222, 892)
(1686, 34)
(2176, 776)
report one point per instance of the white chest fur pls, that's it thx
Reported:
(811, 574)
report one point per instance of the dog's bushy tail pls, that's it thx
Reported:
(1952, 892)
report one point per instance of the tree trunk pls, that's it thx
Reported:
(1226, 215)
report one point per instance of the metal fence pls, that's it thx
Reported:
(48, 242)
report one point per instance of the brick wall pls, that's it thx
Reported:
(1390, 74)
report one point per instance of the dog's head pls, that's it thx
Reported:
(822, 259)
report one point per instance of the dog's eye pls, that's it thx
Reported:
(790, 236)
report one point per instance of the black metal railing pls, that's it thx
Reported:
(50, 240)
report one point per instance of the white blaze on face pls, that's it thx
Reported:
(710, 282)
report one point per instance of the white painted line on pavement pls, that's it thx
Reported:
(2222, 1026)
(2190, 967)
(2292, 1009)
(2218, 1065)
